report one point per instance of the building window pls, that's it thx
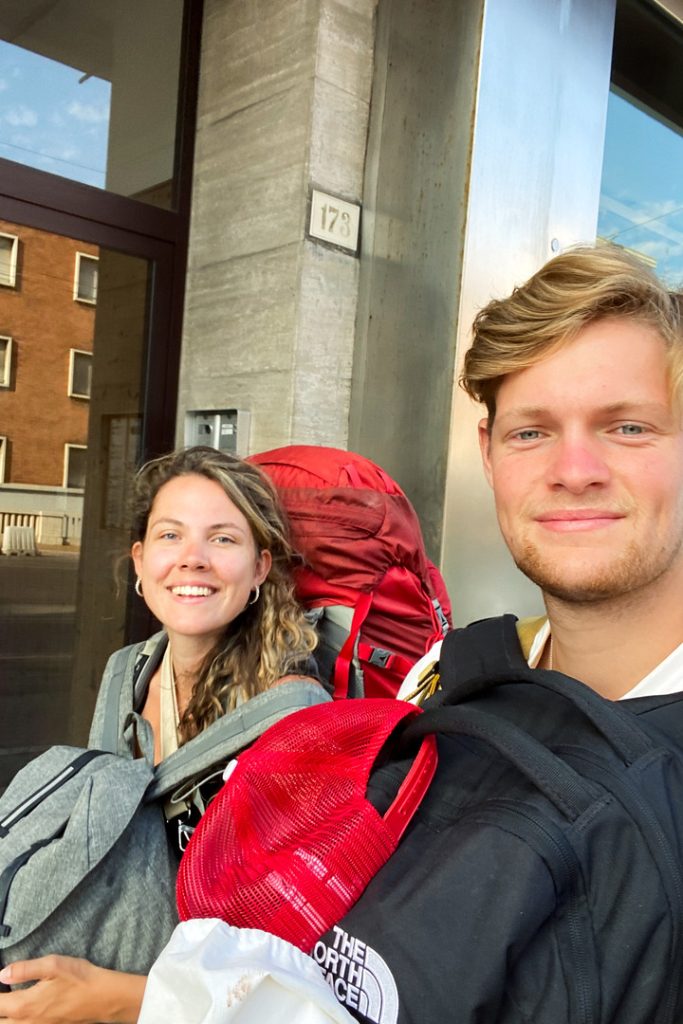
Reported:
(74, 466)
(85, 278)
(3, 458)
(5, 361)
(9, 245)
(80, 373)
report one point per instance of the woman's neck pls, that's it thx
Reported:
(187, 656)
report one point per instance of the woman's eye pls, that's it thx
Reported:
(223, 539)
(168, 535)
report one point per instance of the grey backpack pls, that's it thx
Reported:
(85, 864)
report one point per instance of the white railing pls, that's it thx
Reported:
(48, 528)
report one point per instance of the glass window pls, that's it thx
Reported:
(74, 465)
(80, 373)
(641, 201)
(8, 260)
(90, 92)
(85, 278)
(5, 361)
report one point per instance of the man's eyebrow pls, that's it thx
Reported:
(632, 405)
(532, 413)
(524, 412)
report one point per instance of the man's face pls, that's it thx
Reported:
(586, 463)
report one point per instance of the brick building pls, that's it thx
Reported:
(48, 291)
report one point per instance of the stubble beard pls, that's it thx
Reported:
(632, 572)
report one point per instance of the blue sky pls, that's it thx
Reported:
(49, 120)
(642, 187)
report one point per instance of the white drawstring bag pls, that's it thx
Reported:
(212, 973)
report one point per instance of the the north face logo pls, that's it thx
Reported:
(358, 976)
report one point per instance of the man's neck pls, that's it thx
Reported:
(612, 645)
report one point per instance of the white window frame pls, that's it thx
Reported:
(67, 450)
(77, 277)
(6, 363)
(3, 458)
(73, 353)
(12, 279)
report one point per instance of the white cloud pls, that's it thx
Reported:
(21, 117)
(4, 84)
(88, 112)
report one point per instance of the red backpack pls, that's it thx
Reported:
(377, 601)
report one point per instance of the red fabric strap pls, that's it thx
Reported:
(342, 666)
(413, 788)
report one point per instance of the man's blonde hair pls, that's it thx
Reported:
(574, 289)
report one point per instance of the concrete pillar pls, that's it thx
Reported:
(269, 314)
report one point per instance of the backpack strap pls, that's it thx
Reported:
(485, 649)
(342, 667)
(232, 732)
(413, 788)
(487, 654)
(115, 700)
(106, 731)
(565, 788)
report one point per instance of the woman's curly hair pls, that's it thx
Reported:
(270, 638)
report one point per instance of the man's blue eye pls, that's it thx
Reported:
(631, 429)
(528, 435)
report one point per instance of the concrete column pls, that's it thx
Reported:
(269, 314)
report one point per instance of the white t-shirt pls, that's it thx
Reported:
(667, 677)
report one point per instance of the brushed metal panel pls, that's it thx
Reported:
(535, 184)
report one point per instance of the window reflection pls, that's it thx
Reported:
(53, 117)
(89, 91)
(641, 201)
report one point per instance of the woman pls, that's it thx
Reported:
(211, 555)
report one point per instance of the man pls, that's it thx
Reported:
(580, 370)
(541, 879)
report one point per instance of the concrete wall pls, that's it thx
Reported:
(270, 315)
(417, 180)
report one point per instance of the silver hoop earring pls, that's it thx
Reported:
(138, 587)
(254, 599)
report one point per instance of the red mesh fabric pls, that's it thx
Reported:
(290, 842)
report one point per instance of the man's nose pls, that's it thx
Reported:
(578, 464)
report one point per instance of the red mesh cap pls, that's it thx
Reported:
(291, 841)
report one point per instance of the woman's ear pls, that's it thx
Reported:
(263, 566)
(136, 555)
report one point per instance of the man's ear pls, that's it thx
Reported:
(485, 448)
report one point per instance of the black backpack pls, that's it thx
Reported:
(541, 879)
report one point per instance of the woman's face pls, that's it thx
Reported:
(198, 562)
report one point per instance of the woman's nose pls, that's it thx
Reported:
(193, 555)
